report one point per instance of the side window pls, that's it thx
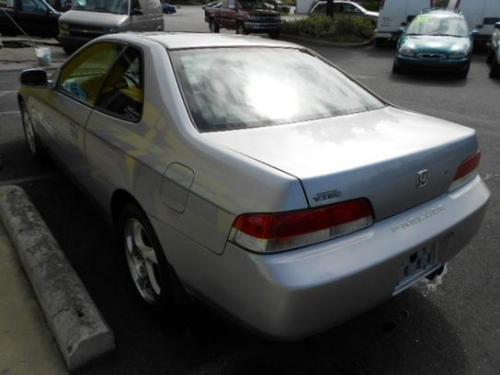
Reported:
(7, 3)
(123, 92)
(82, 77)
(337, 8)
(33, 6)
(135, 5)
(349, 8)
(320, 9)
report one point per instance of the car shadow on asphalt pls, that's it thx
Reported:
(406, 335)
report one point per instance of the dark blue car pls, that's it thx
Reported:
(168, 8)
(435, 40)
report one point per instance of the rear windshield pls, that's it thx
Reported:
(106, 6)
(240, 88)
(430, 24)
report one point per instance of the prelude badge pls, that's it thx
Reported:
(422, 178)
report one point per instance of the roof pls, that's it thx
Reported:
(181, 40)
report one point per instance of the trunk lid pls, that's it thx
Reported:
(376, 155)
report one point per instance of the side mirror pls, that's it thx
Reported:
(136, 12)
(34, 77)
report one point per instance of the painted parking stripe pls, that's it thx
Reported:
(28, 179)
(7, 92)
(10, 113)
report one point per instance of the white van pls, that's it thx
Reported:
(393, 13)
(481, 15)
(89, 19)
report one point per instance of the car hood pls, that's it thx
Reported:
(436, 44)
(376, 154)
(99, 19)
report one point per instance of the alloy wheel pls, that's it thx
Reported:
(142, 261)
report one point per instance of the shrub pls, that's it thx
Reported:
(338, 29)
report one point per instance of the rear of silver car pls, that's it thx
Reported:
(390, 196)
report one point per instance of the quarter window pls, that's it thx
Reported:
(122, 94)
(82, 77)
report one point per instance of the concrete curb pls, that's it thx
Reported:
(77, 325)
(326, 43)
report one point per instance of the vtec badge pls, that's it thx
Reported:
(326, 195)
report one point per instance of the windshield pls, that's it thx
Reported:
(239, 88)
(429, 24)
(106, 6)
(257, 4)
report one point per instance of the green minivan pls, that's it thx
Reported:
(436, 39)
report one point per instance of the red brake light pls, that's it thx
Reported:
(466, 170)
(284, 231)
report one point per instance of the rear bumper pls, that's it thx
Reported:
(260, 27)
(298, 293)
(444, 64)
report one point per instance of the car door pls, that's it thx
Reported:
(68, 105)
(113, 131)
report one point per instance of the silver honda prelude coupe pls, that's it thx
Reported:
(255, 174)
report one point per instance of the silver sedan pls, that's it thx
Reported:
(257, 175)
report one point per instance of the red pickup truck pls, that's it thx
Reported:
(245, 16)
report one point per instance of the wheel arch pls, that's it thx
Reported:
(119, 199)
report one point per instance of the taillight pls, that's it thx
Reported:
(466, 171)
(266, 233)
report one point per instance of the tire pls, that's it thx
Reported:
(495, 69)
(240, 29)
(153, 278)
(379, 42)
(31, 138)
(463, 73)
(490, 57)
(396, 69)
(213, 26)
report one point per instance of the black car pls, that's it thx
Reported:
(35, 17)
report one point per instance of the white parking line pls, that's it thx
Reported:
(7, 92)
(9, 113)
(18, 181)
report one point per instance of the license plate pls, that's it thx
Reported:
(417, 265)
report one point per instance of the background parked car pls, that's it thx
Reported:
(481, 16)
(438, 40)
(89, 19)
(344, 8)
(36, 17)
(494, 53)
(246, 16)
(168, 8)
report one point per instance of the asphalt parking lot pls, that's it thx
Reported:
(451, 326)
